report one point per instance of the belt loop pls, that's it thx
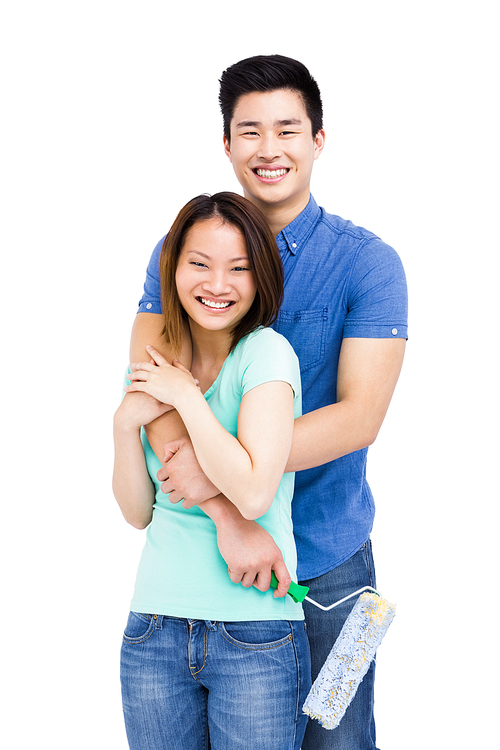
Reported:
(158, 621)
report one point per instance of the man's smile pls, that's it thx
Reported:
(270, 174)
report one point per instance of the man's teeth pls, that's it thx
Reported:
(209, 303)
(271, 174)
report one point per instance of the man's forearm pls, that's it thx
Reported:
(327, 434)
(146, 330)
(367, 375)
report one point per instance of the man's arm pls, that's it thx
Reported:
(146, 330)
(367, 375)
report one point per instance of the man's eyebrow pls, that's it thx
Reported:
(277, 123)
(291, 121)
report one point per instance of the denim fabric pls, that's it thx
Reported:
(196, 684)
(356, 731)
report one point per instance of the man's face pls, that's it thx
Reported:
(272, 149)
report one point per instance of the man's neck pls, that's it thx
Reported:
(280, 216)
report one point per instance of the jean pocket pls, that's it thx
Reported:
(139, 627)
(260, 635)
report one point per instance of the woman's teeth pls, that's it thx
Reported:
(209, 303)
(271, 174)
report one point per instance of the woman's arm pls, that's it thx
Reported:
(132, 486)
(252, 464)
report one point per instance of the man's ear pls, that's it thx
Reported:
(319, 143)
(227, 148)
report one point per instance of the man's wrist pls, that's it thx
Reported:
(221, 510)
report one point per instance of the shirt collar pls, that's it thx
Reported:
(295, 234)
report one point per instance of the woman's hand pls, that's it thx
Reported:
(139, 409)
(164, 382)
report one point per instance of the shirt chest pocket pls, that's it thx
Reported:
(306, 331)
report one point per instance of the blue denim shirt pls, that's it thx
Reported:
(340, 281)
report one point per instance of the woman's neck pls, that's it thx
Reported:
(210, 349)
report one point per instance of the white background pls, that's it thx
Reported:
(110, 124)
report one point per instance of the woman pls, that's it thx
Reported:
(206, 662)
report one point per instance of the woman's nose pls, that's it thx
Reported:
(218, 284)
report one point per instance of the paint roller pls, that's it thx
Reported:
(351, 654)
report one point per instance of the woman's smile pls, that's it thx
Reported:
(214, 304)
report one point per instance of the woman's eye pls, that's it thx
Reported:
(197, 263)
(240, 268)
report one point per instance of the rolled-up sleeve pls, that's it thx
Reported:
(378, 295)
(150, 301)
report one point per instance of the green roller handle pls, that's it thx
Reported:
(296, 591)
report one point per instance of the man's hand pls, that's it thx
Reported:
(182, 475)
(248, 549)
(251, 553)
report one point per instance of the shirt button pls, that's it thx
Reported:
(149, 306)
(394, 331)
(294, 244)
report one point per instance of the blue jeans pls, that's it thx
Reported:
(356, 730)
(196, 684)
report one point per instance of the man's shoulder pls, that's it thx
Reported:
(335, 234)
(345, 228)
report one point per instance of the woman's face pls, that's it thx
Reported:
(214, 280)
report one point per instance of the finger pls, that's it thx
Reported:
(141, 372)
(248, 579)
(137, 385)
(156, 356)
(141, 365)
(284, 578)
(263, 579)
(162, 474)
(171, 449)
(234, 575)
(166, 488)
(180, 366)
(175, 496)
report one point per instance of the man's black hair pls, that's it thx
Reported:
(269, 73)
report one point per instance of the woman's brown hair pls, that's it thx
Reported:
(263, 255)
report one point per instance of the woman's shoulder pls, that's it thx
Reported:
(265, 345)
(265, 336)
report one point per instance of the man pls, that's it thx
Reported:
(345, 313)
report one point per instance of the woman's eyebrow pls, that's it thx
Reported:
(208, 257)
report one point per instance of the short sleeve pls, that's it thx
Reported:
(269, 357)
(151, 298)
(377, 295)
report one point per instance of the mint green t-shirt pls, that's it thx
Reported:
(181, 572)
